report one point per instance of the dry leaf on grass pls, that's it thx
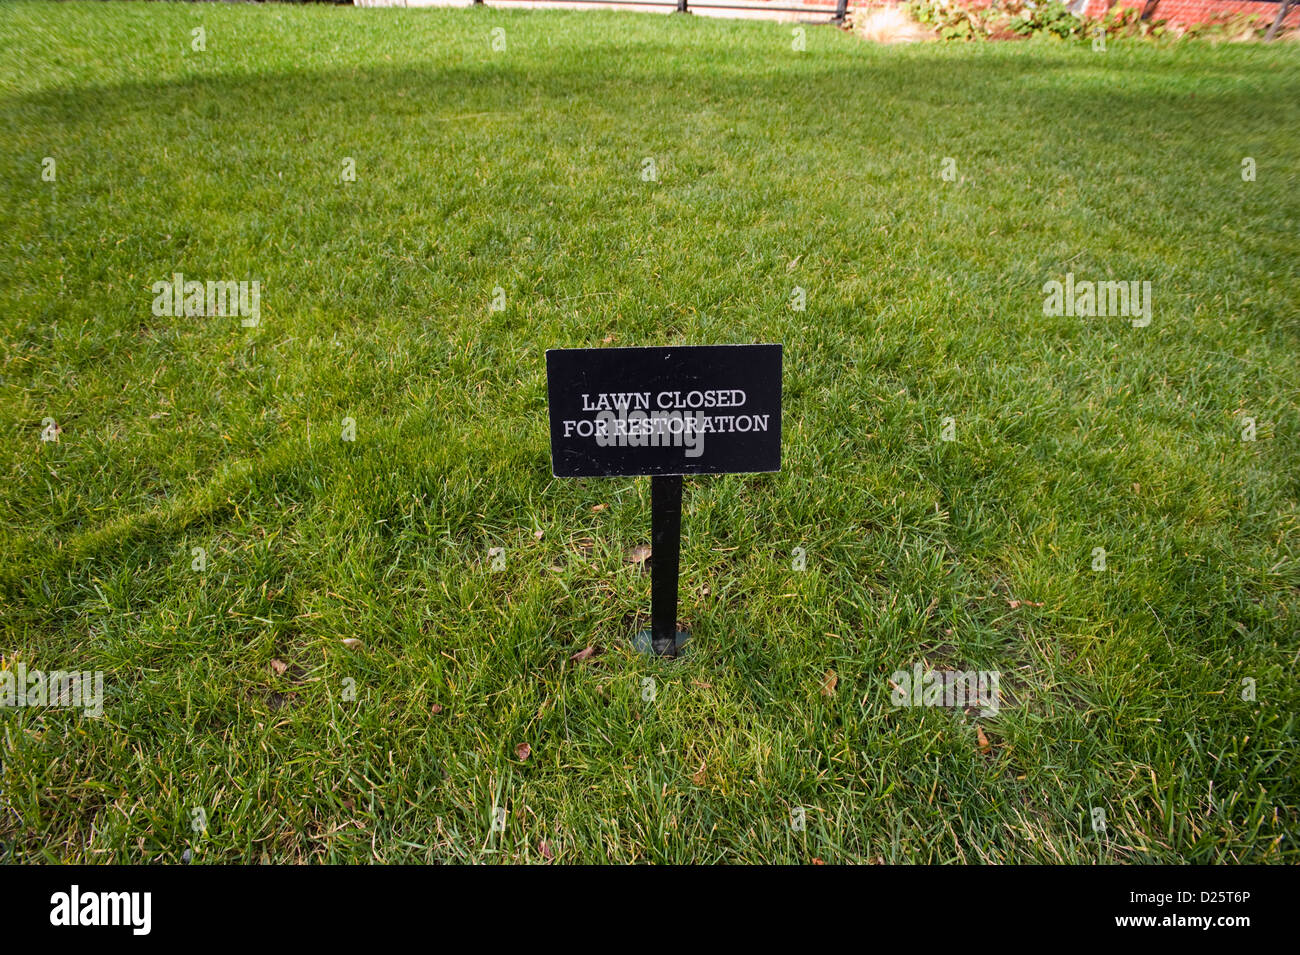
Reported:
(352, 643)
(985, 745)
(544, 848)
(279, 666)
(597, 508)
(538, 535)
(829, 681)
(638, 554)
(699, 776)
(435, 709)
(522, 752)
(582, 655)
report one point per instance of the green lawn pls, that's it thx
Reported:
(1121, 689)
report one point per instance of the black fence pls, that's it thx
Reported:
(836, 11)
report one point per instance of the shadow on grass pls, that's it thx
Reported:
(1051, 112)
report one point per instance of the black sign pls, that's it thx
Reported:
(705, 409)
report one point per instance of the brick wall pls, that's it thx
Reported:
(1180, 12)
(1183, 12)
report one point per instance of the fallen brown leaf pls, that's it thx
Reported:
(597, 508)
(544, 848)
(522, 752)
(1013, 604)
(829, 682)
(638, 554)
(279, 666)
(699, 776)
(435, 709)
(582, 655)
(985, 745)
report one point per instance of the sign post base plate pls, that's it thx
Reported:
(642, 643)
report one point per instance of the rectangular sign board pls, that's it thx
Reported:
(702, 409)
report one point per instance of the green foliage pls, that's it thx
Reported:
(1052, 18)
(955, 20)
(959, 21)
(1235, 26)
(952, 21)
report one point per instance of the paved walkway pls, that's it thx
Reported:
(813, 13)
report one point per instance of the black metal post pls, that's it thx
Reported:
(841, 10)
(681, 8)
(665, 551)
